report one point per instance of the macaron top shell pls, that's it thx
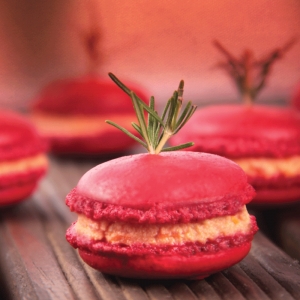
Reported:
(87, 95)
(170, 180)
(240, 130)
(18, 137)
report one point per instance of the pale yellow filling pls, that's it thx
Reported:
(49, 125)
(269, 167)
(121, 232)
(23, 165)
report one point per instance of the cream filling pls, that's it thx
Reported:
(23, 165)
(270, 167)
(50, 125)
(121, 232)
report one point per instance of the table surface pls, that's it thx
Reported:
(36, 262)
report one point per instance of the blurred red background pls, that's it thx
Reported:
(155, 43)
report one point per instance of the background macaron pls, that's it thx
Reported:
(22, 157)
(263, 140)
(71, 113)
(295, 98)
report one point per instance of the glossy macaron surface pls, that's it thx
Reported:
(22, 157)
(171, 179)
(18, 137)
(241, 131)
(88, 95)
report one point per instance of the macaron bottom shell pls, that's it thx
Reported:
(276, 196)
(153, 266)
(17, 186)
(16, 193)
(275, 190)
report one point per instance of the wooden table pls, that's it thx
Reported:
(288, 228)
(36, 262)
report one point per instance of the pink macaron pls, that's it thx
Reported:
(22, 158)
(168, 215)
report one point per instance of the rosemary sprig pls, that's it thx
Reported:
(250, 75)
(156, 130)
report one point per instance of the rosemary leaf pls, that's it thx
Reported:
(119, 83)
(180, 90)
(158, 130)
(155, 130)
(172, 109)
(179, 103)
(129, 92)
(151, 120)
(152, 105)
(127, 132)
(137, 128)
(148, 109)
(176, 112)
(184, 113)
(141, 118)
(166, 109)
(179, 147)
(161, 135)
(187, 117)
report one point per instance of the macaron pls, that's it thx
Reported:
(71, 113)
(22, 158)
(169, 215)
(263, 140)
(295, 98)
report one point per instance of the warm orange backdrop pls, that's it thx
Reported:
(156, 43)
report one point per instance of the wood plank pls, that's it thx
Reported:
(180, 291)
(244, 284)
(15, 277)
(84, 281)
(157, 290)
(132, 290)
(224, 287)
(106, 285)
(278, 264)
(288, 231)
(24, 227)
(266, 282)
(69, 263)
(203, 290)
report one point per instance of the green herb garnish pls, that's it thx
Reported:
(250, 75)
(156, 130)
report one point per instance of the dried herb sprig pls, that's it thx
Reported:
(250, 75)
(156, 130)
